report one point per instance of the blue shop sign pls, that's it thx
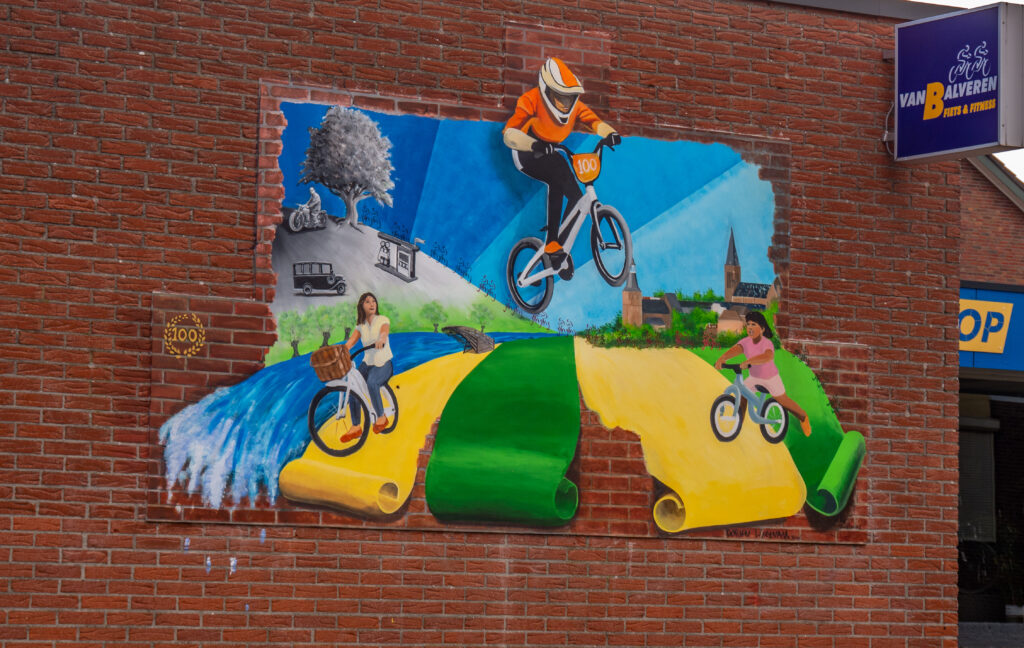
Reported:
(952, 99)
(991, 329)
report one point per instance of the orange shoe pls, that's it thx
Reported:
(353, 433)
(805, 425)
(380, 425)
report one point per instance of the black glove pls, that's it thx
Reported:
(541, 148)
(612, 140)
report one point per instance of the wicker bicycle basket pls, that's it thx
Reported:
(330, 362)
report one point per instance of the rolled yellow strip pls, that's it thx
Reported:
(378, 478)
(665, 396)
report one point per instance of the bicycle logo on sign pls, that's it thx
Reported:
(971, 63)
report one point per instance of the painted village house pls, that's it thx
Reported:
(740, 297)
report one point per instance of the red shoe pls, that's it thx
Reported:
(380, 425)
(353, 433)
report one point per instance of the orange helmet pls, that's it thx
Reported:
(560, 89)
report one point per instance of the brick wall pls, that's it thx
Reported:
(993, 228)
(132, 165)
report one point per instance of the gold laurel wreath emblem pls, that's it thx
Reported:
(184, 335)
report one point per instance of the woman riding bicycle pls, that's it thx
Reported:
(760, 353)
(545, 116)
(376, 368)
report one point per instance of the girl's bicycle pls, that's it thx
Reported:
(727, 411)
(329, 417)
(529, 273)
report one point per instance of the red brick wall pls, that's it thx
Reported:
(130, 164)
(993, 228)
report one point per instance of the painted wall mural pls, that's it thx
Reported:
(456, 288)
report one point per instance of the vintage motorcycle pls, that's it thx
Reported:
(302, 218)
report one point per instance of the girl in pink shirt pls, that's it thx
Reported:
(760, 353)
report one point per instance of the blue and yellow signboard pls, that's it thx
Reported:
(991, 329)
(957, 77)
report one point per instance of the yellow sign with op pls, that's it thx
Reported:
(983, 325)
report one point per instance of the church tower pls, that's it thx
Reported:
(632, 300)
(732, 268)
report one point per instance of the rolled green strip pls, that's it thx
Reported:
(829, 459)
(837, 484)
(507, 436)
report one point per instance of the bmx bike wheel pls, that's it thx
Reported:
(327, 429)
(611, 245)
(775, 430)
(725, 418)
(533, 298)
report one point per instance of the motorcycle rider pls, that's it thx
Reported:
(313, 204)
(545, 116)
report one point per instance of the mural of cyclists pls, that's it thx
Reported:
(511, 321)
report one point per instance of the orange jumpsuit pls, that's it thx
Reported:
(531, 116)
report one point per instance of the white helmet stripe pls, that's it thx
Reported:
(555, 72)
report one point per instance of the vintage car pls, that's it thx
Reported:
(312, 275)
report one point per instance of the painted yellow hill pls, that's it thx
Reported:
(665, 396)
(378, 479)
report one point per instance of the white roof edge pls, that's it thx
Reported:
(1003, 179)
(883, 8)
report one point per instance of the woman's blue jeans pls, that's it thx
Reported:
(375, 378)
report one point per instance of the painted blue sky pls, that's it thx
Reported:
(456, 186)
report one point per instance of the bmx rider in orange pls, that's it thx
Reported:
(545, 116)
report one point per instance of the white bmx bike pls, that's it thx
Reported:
(529, 273)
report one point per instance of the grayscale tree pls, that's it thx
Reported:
(348, 155)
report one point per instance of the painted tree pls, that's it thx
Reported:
(308, 325)
(288, 325)
(323, 319)
(481, 312)
(348, 155)
(343, 318)
(433, 313)
(394, 314)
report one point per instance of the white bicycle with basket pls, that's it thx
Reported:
(329, 417)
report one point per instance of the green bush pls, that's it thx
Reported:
(707, 296)
(727, 339)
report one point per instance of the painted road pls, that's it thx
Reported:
(378, 479)
(665, 396)
(662, 395)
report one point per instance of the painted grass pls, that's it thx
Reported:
(507, 436)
